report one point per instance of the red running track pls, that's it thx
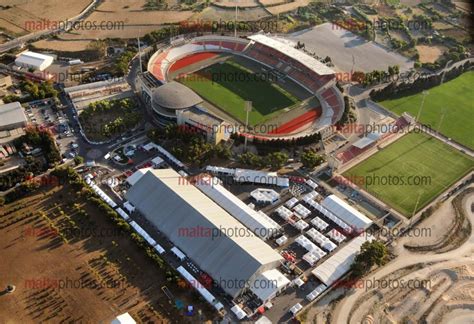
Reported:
(298, 122)
(191, 59)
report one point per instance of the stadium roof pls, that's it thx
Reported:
(188, 218)
(340, 262)
(347, 213)
(283, 47)
(174, 95)
(11, 114)
(262, 225)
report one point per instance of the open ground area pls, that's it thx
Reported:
(217, 85)
(348, 51)
(414, 158)
(450, 104)
(70, 263)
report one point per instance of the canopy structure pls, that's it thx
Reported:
(302, 211)
(281, 240)
(290, 203)
(259, 223)
(316, 292)
(319, 223)
(122, 214)
(268, 284)
(347, 213)
(335, 235)
(321, 240)
(239, 312)
(311, 183)
(266, 196)
(340, 262)
(284, 212)
(180, 255)
(143, 233)
(296, 308)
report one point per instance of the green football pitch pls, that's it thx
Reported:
(228, 85)
(417, 167)
(448, 107)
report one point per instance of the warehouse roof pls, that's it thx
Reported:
(34, 59)
(205, 232)
(11, 114)
(174, 95)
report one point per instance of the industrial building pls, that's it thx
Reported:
(35, 61)
(206, 233)
(12, 116)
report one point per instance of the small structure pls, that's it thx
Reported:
(124, 319)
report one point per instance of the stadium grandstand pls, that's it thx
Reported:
(277, 56)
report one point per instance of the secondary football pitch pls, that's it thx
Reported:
(417, 166)
(450, 104)
(228, 85)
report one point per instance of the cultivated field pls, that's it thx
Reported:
(23, 14)
(423, 166)
(71, 264)
(268, 99)
(452, 104)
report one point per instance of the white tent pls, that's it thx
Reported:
(125, 318)
(347, 213)
(319, 223)
(284, 212)
(316, 292)
(180, 255)
(340, 262)
(281, 240)
(268, 284)
(122, 214)
(311, 183)
(336, 235)
(302, 211)
(238, 312)
(301, 225)
(296, 308)
(290, 203)
(322, 240)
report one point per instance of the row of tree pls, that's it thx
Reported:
(394, 90)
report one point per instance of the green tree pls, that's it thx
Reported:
(311, 160)
(371, 253)
(78, 159)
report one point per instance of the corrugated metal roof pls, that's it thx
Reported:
(205, 232)
(11, 113)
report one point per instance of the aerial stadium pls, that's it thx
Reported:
(206, 82)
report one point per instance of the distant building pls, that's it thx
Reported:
(5, 81)
(12, 116)
(32, 60)
(125, 318)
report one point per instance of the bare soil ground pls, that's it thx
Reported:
(70, 263)
(16, 19)
(429, 54)
(274, 10)
(62, 46)
(239, 3)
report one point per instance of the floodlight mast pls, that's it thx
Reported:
(248, 108)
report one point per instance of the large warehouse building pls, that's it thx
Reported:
(12, 116)
(212, 238)
(35, 61)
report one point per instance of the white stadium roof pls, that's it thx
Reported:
(177, 210)
(346, 212)
(340, 262)
(283, 47)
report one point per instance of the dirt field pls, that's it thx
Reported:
(63, 46)
(239, 3)
(125, 20)
(15, 20)
(429, 54)
(274, 10)
(70, 263)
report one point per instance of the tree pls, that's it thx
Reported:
(277, 159)
(371, 253)
(78, 159)
(310, 159)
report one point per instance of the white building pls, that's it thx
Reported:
(34, 60)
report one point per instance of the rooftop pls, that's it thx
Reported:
(11, 114)
(174, 95)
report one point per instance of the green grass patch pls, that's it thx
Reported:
(453, 99)
(228, 85)
(423, 166)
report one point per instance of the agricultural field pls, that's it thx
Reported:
(423, 168)
(450, 104)
(268, 98)
(70, 263)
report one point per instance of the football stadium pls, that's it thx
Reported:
(207, 82)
